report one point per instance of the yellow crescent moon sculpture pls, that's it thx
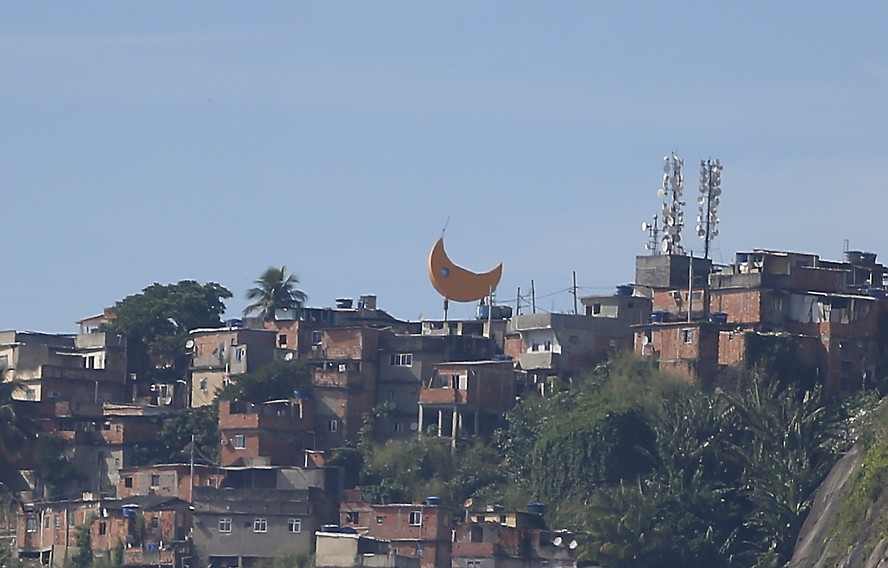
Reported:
(455, 282)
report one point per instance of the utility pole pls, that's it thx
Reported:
(575, 291)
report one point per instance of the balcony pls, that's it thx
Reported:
(443, 396)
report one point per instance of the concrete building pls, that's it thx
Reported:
(88, 367)
(219, 353)
(261, 513)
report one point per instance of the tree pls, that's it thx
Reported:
(173, 442)
(273, 381)
(157, 320)
(274, 290)
(15, 429)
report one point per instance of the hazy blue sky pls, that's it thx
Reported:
(158, 141)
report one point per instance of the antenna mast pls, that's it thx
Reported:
(673, 216)
(710, 190)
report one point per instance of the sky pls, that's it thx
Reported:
(158, 141)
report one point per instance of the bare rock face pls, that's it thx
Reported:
(813, 545)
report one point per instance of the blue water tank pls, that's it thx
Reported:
(433, 500)
(302, 394)
(536, 508)
(624, 290)
(659, 317)
(718, 317)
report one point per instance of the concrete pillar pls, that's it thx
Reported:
(440, 422)
(420, 430)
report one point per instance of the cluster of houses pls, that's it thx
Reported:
(273, 492)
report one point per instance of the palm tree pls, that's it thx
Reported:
(274, 290)
(15, 430)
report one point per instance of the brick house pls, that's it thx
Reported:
(273, 433)
(460, 396)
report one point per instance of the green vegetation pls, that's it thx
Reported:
(52, 465)
(274, 290)
(274, 381)
(862, 517)
(157, 320)
(173, 441)
(656, 471)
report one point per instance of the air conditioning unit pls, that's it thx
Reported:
(288, 357)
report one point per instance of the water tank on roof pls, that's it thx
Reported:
(234, 322)
(718, 317)
(433, 500)
(536, 508)
(659, 316)
(624, 290)
(860, 257)
(344, 303)
(302, 394)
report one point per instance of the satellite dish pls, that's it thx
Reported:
(716, 191)
(664, 246)
(414, 426)
(661, 193)
(701, 233)
(715, 201)
(573, 544)
(676, 237)
(557, 541)
(669, 220)
(645, 226)
(189, 344)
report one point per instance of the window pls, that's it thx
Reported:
(352, 517)
(31, 524)
(155, 522)
(203, 385)
(294, 525)
(333, 425)
(415, 518)
(535, 346)
(128, 481)
(398, 427)
(317, 337)
(70, 518)
(260, 525)
(225, 525)
(53, 395)
(687, 335)
(282, 340)
(103, 528)
(58, 521)
(240, 441)
(401, 359)
(380, 520)
(473, 564)
(155, 479)
(696, 295)
(596, 309)
(548, 346)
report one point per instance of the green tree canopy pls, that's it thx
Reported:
(274, 290)
(157, 320)
(276, 380)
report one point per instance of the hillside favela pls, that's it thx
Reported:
(704, 414)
